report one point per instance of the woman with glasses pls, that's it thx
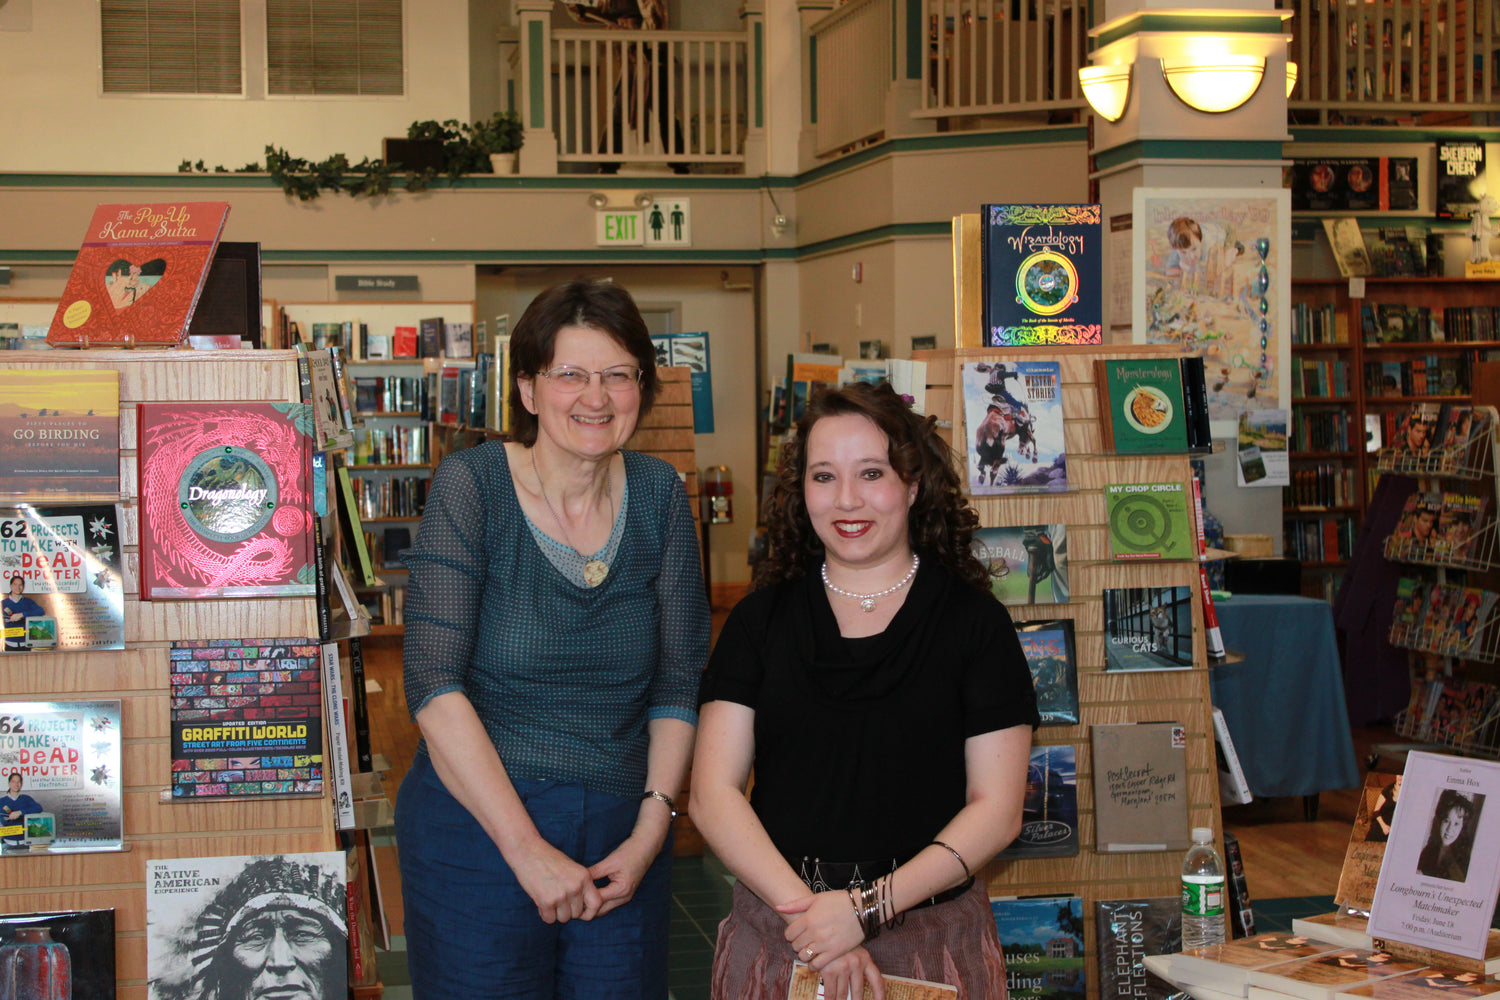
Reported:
(556, 624)
(880, 692)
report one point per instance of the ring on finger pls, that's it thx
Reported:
(810, 952)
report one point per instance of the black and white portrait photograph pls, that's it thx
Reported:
(1450, 836)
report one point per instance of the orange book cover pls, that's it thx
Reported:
(138, 274)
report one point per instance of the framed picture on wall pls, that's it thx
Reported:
(1214, 278)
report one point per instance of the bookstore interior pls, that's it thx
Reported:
(210, 492)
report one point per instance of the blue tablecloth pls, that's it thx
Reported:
(1285, 702)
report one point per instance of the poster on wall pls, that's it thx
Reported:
(1213, 278)
(1460, 177)
(690, 351)
(1353, 184)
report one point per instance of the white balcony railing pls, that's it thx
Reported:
(675, 97)
(989, 57)
(852, 48)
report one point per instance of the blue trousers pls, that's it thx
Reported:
(471, 930)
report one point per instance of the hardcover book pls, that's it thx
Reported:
(1367, 840)
(1460, 177)
(65, 758)
(1321, 976)
(1127, 931)
(1227, 966)
(225, 507)
(1028, 564)
(1148, 628)
(1042, 940)
(332, 431)
(211, 921)
(139, 273)
(1140, 787)
(1141, 405)
(64, 577)
(1440, 876)
(1013, 413)
(1149, 521)
(430, 337)
(1049, 650)
(88, 936)
(246, 718)
(1234, 789)
(1042, 277)
(404, 342)
(458, 340)
(1049, 812)
(59, 431)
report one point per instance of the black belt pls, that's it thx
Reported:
(821, 876)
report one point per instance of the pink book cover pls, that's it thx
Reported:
(225, 508)
(138, 275)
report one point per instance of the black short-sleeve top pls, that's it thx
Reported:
(859, 743)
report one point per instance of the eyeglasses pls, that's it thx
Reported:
(571, 378)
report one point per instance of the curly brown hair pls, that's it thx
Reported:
(940, 523)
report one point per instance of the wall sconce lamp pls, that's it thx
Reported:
(1291, 78)
(1106, 88)
(621, 199)
(1215, 83)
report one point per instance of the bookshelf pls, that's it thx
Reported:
(1358, 363)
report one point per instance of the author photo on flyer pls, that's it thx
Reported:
(1450, 839)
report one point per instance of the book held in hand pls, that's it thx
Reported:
(807, 985)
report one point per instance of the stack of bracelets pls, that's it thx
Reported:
(872, 904)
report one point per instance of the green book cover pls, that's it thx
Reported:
(1150, 521)
(1146, 408)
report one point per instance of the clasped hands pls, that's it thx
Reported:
(826, 934)
(565, 890)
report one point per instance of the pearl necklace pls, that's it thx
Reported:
(867, 601)
(594, 570)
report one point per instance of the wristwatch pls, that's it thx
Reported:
(662, 797)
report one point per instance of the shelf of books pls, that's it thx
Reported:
(1359, 364)
(1094, 551)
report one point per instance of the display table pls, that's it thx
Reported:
(1284, 702)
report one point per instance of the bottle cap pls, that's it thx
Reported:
(1203, 834)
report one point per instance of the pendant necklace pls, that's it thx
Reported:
(867, 601)
(595, 569)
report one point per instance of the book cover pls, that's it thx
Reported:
(88, 936)
(1241, 915)
(230, 303)
(1234, 789)
(59, 431)
(1049, 812)
(1028, 564)
(1411, 599)
(458, 340)
(225, 507)
(336, 706)
(806, 984)
(1440, 876)
(430, 337)
(1460, 177)
(1140, 787)
(1127, 930)
(1042, 940)
(213, 922)
(1042, 275)
(62, 759)
(1141, 405)
(1461, 520)
(1429, 984)
(1149, 521)
(404, 342)
(63, 572)
(1013, 413)
(356, 552)
(1049, 650)
(1321, 976)
(1227, 966)
(332, 432)
(246, 718)
(138, 274)
(1367, 840)
(1449, 963)
(1348, 245)
(1148, 628)
(1347, 930)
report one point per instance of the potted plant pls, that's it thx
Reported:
(499, 137)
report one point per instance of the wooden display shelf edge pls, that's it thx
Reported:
(1418, 346)
(383, 467)
(1403, 400)
(1300, 400)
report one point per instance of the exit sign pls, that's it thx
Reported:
(619, 229)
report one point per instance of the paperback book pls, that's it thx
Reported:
(62, 761)
(1343, 928)
(1042, 275)
(807, 984)
(1140, 787)
(246, 718)
(1049, 812)
(1150, 521)
(1460, 177)
(88, 938)
(1372, 829)
(209, 921)
(1028, 564)
(1429, 984)
(1234, 787)
(1148, 628)
(1049, 650)
(137, 277)
(1321, 976)
(1042, 940)
(1141, 405)
(64, 577)
(59, 431)
(1128, 930)
(1227, 966)
(1241, 914)
(225, 500)
(1013, 413)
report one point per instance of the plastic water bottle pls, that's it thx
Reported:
(1203, 892)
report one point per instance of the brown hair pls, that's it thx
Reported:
(940, 523)
(598, 305)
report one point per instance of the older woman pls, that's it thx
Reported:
(556, 624)
(880, 692)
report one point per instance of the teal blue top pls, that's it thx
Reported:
(564, 677)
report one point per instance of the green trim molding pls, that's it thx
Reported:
(1196, 22)
(1248, 150)
(537, 79)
